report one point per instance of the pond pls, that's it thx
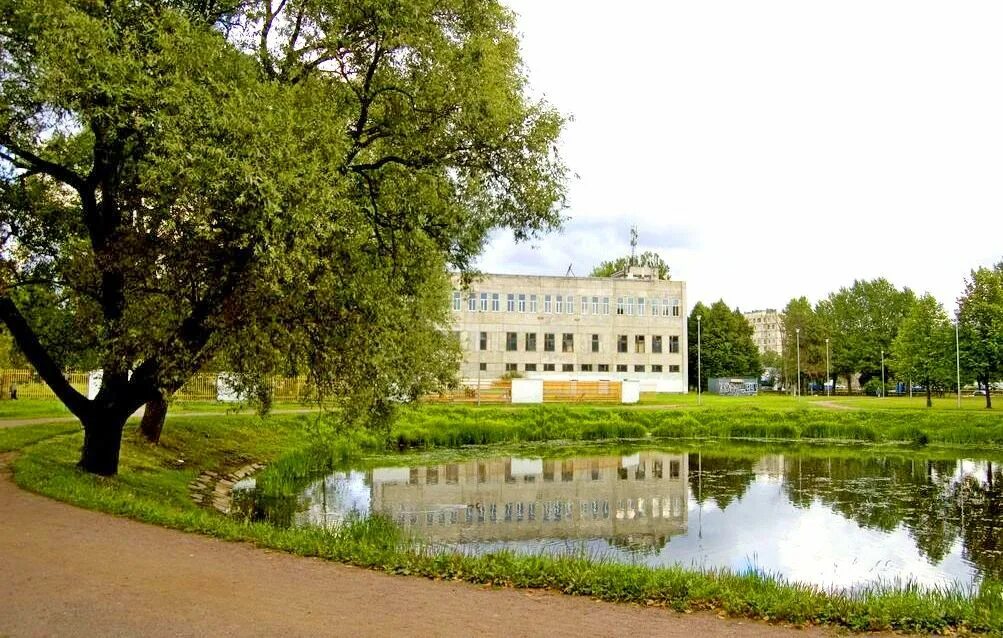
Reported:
(841, 519)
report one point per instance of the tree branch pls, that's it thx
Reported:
(27, 160)
(32, 348)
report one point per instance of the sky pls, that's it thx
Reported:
(772, 149)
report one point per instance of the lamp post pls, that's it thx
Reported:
(797, 391)
(828, 377)
(699, 362)
(882, 374)
(957, 358)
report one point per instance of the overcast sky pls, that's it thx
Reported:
(774, 148)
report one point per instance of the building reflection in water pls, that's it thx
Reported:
(639, 499)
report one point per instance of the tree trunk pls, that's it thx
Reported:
(929, 398)
(989, 396)
(153, 419)
(102, 442)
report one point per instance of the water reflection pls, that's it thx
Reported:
(840, 521)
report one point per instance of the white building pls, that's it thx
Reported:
(767, 330)
(631, 326)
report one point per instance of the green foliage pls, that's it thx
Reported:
(726, 347)
(173, 197)
(923, 350)
(647, 259)
(980, 316)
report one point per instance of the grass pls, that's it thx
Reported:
(31, 408)
(152, 486)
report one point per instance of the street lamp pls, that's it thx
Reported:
(957, 357)
(797, 392)
(828, 377)
(699, 362)
(882, 374)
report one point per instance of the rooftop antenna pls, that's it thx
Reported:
(633, 245)
(570, 273)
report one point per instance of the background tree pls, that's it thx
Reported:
(924, 347)
(980, 316)
(726, 345)
(273, 188)
(647, 258)
(799, 314)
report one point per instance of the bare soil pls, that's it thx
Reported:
(66, 571)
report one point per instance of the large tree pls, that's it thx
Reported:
(980, 316)
(267, 186)
(804, 333)
(924, 347)
(726, 348)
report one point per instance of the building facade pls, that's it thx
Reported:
(574, 328)
(767, 330)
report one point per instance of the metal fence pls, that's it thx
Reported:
(201, 387)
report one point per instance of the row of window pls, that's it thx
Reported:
(660, 507)
(583, 367)
(568, 343)
(565, 304)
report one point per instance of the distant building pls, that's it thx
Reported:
(632, 326)
(767, 330)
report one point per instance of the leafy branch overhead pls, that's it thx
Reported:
(261, 186)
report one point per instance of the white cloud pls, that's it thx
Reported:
(790, 146)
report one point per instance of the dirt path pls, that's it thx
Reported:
(42, 420)
(67, 571)
(835, 406)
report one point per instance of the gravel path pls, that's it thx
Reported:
(65, 571)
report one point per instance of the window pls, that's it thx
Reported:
(530, 367)
(522, 303)
(546, 304)
(619, 305)
(567, 342)
(640, 306)
(585, 305)
(548, 342)
(639, 368)
(674, 344)
(656, 307)
(511, 367)
(567, 367)
(666, 308)
(511, 302)
(586, 367)
(595, 305)
(675, 307)
(639, 344)
(457, 300)
(530, 342)
(603, 367)
(484, 302)
(605, 305)
(621, 343)
(532, 304)
(630, 305)
(511, 341)
(548, 367)
(656, 344)
(484, 341)
(484, 367)
(495, 302)
(656, 368)
(559, 308)
(595, 343)
(571, 304)
(621, 367)
(472, 302)
(673, 368)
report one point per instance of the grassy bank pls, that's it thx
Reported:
(152, 486)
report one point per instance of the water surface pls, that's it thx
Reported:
(844, 521)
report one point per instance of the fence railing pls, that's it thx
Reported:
(498, 392)
(201, 387)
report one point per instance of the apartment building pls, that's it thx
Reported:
(630, 326)
(767, 330)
